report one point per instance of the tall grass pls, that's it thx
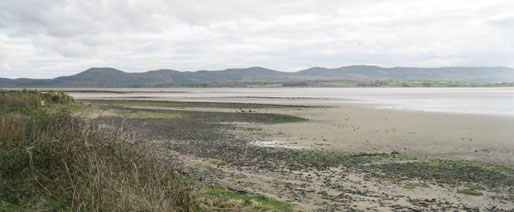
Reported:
(63, 162)
(12, 128)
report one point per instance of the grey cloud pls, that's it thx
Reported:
(56, 37)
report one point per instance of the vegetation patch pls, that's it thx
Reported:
(217, 162)
(31, 102)
(471, 189)
(415, 185)
(391, 179)
(237, 201)
(470, 192)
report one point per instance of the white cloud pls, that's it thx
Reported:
(49, 38)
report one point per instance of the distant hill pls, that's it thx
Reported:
(110, 77)
(459, 74)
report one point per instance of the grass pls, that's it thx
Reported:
(416, 185)
(471, 189)
(470, 192)
(391, 179)
(235, 201)
(281, 118)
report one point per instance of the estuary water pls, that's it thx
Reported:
(491, 101)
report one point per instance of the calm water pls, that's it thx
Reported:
(497, 101)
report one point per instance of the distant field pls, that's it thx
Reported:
(408, 84)
(353, 84)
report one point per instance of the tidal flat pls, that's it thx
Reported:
(327, 155)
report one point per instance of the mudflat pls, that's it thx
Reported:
(324, 155)
(353, 127)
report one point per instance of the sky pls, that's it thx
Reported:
(50, 38)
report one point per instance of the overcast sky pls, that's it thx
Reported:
(49, 38)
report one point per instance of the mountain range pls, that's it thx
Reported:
(110, 77)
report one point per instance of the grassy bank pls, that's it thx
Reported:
(51, 160)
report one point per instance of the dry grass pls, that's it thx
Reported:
(12, 128)
(65, 163)
(217, 162)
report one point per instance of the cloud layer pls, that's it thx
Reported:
(49, 38)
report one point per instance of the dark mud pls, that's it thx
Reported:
(113, 91)
(181, 104)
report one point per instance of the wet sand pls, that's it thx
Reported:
(360, 128)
